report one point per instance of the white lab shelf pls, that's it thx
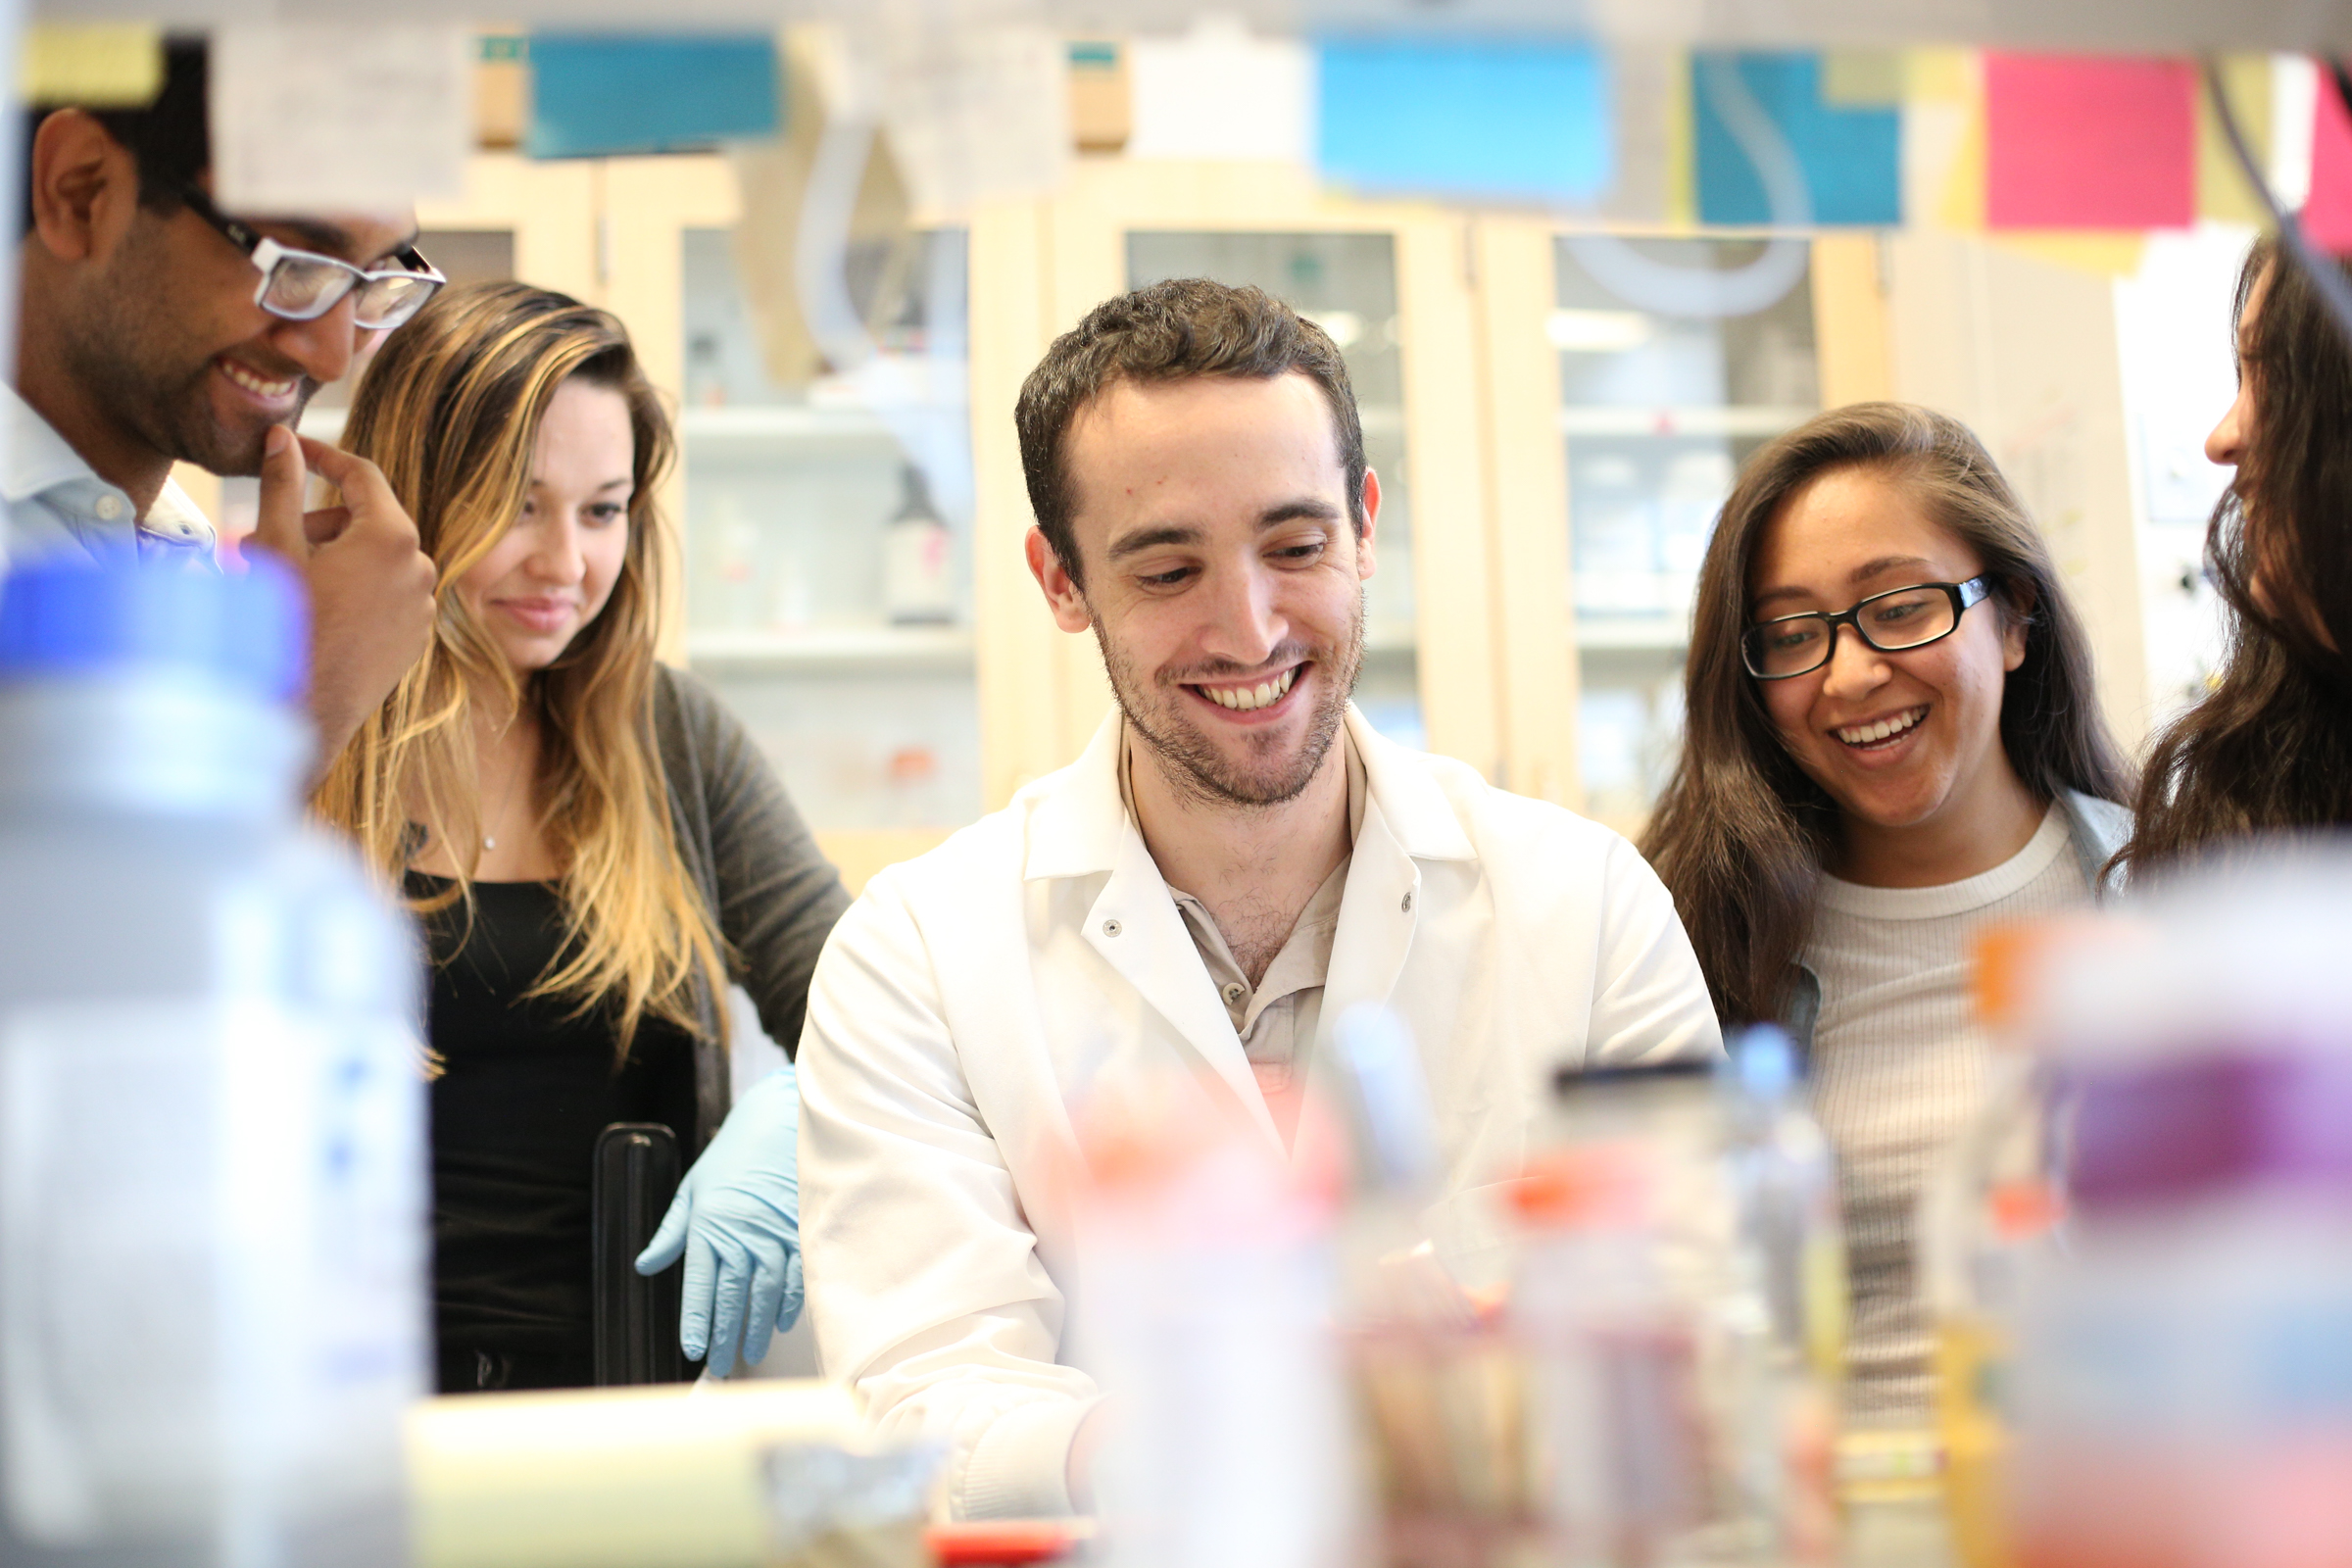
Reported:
(842, 649)
(1715, 420)
(782, 424)
(1634, 633)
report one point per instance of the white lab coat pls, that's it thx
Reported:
(972, 995)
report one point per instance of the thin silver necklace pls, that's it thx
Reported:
(489, 841)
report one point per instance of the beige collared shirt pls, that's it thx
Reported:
(1276, 1018)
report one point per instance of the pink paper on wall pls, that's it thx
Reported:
(2327, 210)
(2087, 141)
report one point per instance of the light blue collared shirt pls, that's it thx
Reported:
(57, 502)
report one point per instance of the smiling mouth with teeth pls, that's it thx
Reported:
(1248, 699)
(254, 384)
(1866, 736)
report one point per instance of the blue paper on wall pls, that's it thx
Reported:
(1851, 156)
(1521, 120)
(598, 94)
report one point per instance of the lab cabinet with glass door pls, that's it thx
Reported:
(1658, 411)
(827, 550)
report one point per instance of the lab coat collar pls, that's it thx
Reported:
(1079, 825)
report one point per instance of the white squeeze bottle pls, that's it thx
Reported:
(212, 1168)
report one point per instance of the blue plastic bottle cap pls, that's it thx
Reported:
(251, 631)
(1766, 1062)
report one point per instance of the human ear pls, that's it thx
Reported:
(1363, 544)
(82, 182)
(2017, 624)
(1063, 595)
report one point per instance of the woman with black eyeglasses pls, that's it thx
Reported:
(1893, 740)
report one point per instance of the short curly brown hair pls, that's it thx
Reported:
(1172, 331)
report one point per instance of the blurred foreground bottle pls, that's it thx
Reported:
(2183, 1387)
(1790, 1249)
(212, 1171)
(1988, 1217)
(1437, 1381)
(1678, 1414)
(1206, 1295)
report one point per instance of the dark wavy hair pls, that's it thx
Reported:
(2271, 746)
(1740, 833)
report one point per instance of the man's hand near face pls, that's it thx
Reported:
(371, 589)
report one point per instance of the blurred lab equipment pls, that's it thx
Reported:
(836, 1506)
(619, 1478)
(1987, 1216)
(1675, 1416)
(212, 1175)
(736, 1219)
(1438, 1384)
(635, 1317)
(2185, 1364)
(1206, 1287)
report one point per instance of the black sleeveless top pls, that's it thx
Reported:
(526, 1085)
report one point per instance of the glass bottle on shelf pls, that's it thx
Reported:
(917, 584)
(1345, 284)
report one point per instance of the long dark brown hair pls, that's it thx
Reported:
(1740, 833)
(2271, 746)
(450, 410)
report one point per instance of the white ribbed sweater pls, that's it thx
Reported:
(1898, 1067)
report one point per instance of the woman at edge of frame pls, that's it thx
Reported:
(1834, 835)
(593, 846)
(2268, 748)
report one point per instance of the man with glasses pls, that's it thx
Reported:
(156, 328)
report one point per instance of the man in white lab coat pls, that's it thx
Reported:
(1186, 909)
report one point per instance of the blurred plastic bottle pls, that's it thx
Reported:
(212, 1194)
(1669, 1425)
(2183, 1387)
(1207, 1294)
(1786, 1181)
(1988, 1217)
(1792, 1251)
(1437, 1382)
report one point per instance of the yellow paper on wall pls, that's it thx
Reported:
(2104, 253)
(2223, 193)
(108, 64)
(1943, 138)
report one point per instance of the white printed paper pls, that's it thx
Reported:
(1218, 92)
(336, 117)
(975, 110)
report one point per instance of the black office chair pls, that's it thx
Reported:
(637, 1172)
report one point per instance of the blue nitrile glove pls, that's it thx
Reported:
(737, 1218)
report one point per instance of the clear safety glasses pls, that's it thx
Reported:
(1890, 622)
(302, 285)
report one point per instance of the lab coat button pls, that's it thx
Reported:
(1112, 928)
(1408, 905)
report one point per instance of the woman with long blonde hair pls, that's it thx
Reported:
(595, 847)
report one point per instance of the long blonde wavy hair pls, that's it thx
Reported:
(450, 412)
